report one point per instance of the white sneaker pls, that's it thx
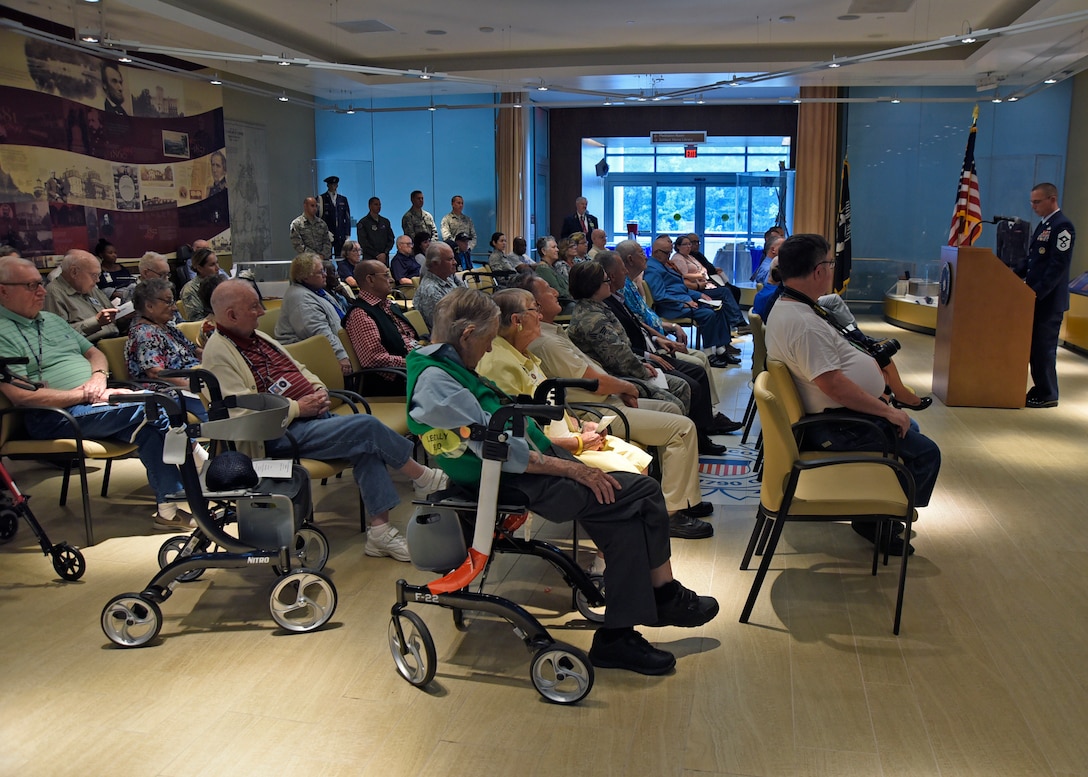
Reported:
(389, 543)
(432, 480)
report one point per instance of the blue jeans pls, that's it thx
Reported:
(366, 442)
(119, 423)
(919, 453)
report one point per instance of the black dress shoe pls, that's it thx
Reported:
(867, 529)
(701, 510)
(720, 362)
(628, 650)
(923, 403)
(688, 527)
(1037, 402)
(710, 448)
(732, 350)
(723, 426)
(686, 608)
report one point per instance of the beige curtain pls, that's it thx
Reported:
(817, 162)
(510, 154)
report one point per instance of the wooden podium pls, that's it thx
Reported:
(984, 320)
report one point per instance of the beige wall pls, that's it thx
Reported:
(289, 134)
(1074, 200)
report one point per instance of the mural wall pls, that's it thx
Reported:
(92, 148)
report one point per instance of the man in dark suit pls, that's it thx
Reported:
(336, 213)
(1048, 276)
(579, 221)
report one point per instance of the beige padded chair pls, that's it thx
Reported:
(191, 329)
(759, 364)
(267, 322)
(68, 451)
(113, 348)
(828, 488)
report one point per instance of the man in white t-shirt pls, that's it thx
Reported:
(834, 376)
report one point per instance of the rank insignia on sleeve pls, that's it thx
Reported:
(1065, 240)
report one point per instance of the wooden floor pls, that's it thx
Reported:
(988, 678)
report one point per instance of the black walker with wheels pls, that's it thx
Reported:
(301, 600)
(560, 672)
(68, 561)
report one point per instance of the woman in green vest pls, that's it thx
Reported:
(623, 513)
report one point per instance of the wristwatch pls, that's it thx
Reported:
(104, 372)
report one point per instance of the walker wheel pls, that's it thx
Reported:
(174, 547)
(68, 561)
(562, 673)
(591, 613)
(311, 548)
(412, 647)
(129, 620)
(302, 600)
(9, 524)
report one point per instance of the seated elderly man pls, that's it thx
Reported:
(672, 299)
(836, 379)
(74, 373)
(75, 297)
(308, 309)
(622, 512)
(652, 422)
(440, 279)
(378, 331)
(247, 361)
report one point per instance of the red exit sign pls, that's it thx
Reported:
(691, 152)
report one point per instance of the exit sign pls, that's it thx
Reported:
(691, 152)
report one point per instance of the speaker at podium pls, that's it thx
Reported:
(984, 320)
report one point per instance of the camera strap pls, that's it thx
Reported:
(821, 311)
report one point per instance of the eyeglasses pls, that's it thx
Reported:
(95, 275)
(385, 275)
(534, 309)
(31, 286)
(606, 280)
(168, 302)
(828, 263)
(159, 273)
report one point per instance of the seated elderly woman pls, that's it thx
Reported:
(623, 513)
(308, 309)
(698, 279)
(516, 371)
(595, 328)
(156, 344)
(205, 264)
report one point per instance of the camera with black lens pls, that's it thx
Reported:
(882, 350)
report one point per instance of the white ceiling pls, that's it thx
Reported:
(586, 51)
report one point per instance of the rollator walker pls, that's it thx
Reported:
(302, 598)
(561, 673)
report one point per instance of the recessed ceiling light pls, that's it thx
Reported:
(834, 64)
(88, 37)
(896, 101)
(542, 88)
(350, 111)
(126, 60)
(969, 39)
(996, 100)
(436, 32)
(787, 19)
(432, 108)
(215, 80)
(283, 61)
(282, 98)
(517, 105)
(1051, 81)
(487, 29)
(796, 100)
(1013, 99)
(849, 17)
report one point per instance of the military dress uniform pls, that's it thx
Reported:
(1048, 276)
(337, 216)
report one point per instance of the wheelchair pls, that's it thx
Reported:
(560, 672)
(302, 598)
(68, 561)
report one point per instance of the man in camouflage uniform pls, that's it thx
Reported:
(417, 219)
(309, 233)
(456, 222)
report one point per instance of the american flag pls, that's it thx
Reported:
(967, 218)
(724, 467)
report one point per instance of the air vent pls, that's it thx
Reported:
(364, 25)
(880, 6)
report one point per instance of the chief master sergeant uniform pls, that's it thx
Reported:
(1048, 276)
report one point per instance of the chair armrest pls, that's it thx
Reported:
(77, 433)
(351, 399)
(891, 446)
(600, 410)
(353, 381)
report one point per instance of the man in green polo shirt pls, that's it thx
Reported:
(74, 376)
